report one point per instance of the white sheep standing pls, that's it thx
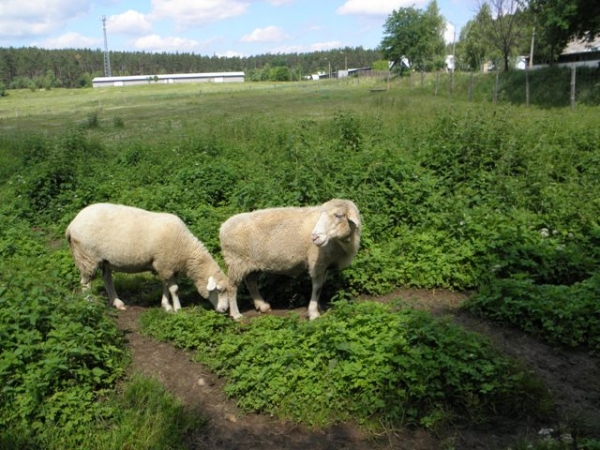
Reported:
(132, 240)
(289, 241)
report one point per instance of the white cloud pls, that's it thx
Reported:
(70, 40)
(230, 54)
(317, 47)
(289, 49)
(376, 8)
(268, 34)
(156, 43)
(188, 13)
(33, 17)
(321, 46)
(281, 2)
(130, 22)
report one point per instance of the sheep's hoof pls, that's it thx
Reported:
(263, 307)
(237, 317)
(120, 305)
(313, 315)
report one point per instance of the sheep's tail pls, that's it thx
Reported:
(83, 260)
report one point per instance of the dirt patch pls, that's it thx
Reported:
(572, 377)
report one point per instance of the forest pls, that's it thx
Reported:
(37, 68)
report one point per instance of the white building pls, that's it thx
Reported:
(208, 77)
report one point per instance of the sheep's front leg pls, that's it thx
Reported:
(170, 289)
(317, 285)
(110, 289)
(234, 311)
(252, 284)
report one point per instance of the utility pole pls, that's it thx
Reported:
(453, 60)
(107, 71)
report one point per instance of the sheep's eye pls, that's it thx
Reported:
(338, 215)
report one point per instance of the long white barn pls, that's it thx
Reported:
(132, 80)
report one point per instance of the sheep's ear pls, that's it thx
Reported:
(212, 284)
(354, 217)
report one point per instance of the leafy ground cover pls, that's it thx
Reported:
(362, 361)
(501, 200)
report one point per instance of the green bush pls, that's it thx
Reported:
(562, 315)
(499, 199)
(59, 355)
(361, 360)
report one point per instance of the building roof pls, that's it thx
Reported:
(582, 46)
(171, 76)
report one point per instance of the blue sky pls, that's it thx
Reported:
(209, 27)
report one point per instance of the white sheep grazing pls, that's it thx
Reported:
(289, 241)
(132, 240)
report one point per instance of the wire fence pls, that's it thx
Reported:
(545, 87)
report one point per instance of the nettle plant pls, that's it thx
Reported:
(362, 361)
(59, 354)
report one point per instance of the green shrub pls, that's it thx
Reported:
(361, 360)
(562, 315)
(59, 354)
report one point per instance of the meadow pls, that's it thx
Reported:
(499, 200)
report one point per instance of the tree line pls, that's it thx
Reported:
(36, 68)
(500, 31)
(413, 39)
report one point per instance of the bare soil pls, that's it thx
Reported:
(572, 377)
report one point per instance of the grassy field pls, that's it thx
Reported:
(502, 200)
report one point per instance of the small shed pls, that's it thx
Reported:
(207, 77)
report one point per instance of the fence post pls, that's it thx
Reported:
(495, 96)
(527, 86)
(573, 86)
(471, 87)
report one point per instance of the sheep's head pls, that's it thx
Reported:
(218, 294)
(339, 220)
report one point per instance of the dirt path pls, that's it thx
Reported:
(572, 377)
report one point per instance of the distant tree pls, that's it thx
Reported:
(279, 73)
(570, 18)
(265, 72)
(559, 21)
(415, 35)
(473, 49)
(504, 25)
(435, 24)
(380, 65)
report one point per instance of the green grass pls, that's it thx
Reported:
(454, 194)
(140, 417)
(365, 361)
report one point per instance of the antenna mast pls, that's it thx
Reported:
(107, 71)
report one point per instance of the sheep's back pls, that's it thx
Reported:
(273, 240)
(125, 236)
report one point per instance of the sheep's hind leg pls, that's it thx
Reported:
(86, 286)
(110, 288)
(252, 284)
